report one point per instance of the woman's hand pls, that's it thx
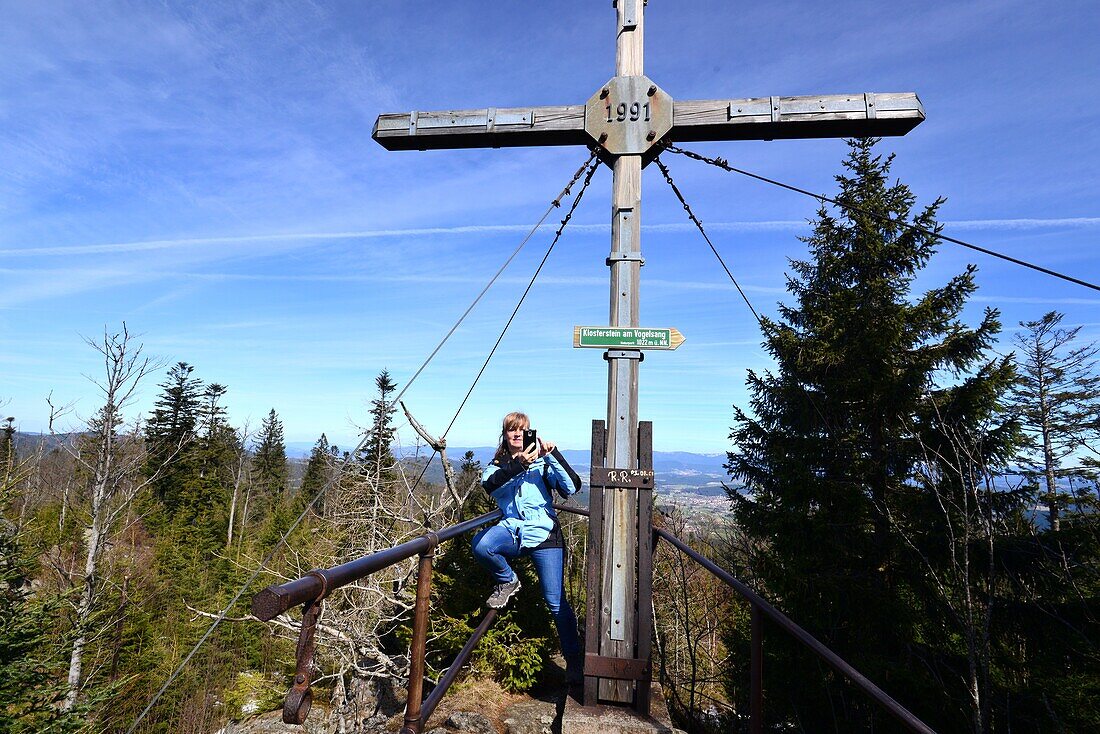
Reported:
(528, 455)
(545, 447)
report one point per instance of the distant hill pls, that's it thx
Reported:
(675, 470)
(28, 443)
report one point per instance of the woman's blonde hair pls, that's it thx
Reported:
(511, 422)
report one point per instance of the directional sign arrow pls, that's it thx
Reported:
(626, 337)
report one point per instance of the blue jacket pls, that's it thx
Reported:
(525, 495)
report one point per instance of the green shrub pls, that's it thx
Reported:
(253, 693)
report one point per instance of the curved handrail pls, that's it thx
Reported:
(835, 661)
(316, 585)
(274, 600)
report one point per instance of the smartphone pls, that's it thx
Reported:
(529, 439)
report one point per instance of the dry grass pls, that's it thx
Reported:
(485, 697)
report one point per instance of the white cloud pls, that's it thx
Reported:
(307, 237)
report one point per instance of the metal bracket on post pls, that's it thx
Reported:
(630, 13)
(300, 697)
(869, 105)
(624, 354)
(618, 257)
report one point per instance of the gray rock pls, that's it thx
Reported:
(439, 730)
(530, 717)
(470, 723)
(377, 723)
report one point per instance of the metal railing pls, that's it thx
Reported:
(761, 609)
(311, 590)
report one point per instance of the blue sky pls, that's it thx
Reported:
(205, 173)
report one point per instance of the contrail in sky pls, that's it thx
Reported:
(742, 226)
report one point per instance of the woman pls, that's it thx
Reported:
(522, 482)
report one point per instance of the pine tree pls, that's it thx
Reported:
(317, 474)
(1058, 400)
(7, 447)
(171, 428)
(269, 466)
(837, 432)
(376, 457)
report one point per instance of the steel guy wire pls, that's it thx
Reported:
(557, 235)
(724, 164)
(553, 205)
(760, 322)
(699, 225)
(348, 457)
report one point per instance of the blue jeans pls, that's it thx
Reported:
(494, 546)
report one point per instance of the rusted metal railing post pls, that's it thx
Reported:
(756, 665)
(299, 699)
(418, 646)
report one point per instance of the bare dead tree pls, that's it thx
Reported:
(956, 552)
(688, 617)
(113, 459)
(365, 512)
(240, 470)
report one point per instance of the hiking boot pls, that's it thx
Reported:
(502, 593)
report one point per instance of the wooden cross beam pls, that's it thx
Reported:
(628, 119)
(752, 118)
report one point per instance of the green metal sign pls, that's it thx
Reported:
(626, 337)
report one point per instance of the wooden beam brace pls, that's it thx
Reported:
(752, 118)
(601, 666)
(812, 116)
(494, 127)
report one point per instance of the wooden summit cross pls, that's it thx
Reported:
(628, 119)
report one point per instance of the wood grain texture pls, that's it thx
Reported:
(629, 46)
(810, 116)
(552, 125)
(645, 566)
(619, 568)
(592, 567)
(749, 118)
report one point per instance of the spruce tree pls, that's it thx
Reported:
(269, 466)
(217, 443)
(7, 447)
(376, 457)
(865, 374)
(170, 430)
(1058, 400)
(317, 474)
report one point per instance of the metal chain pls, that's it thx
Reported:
(699, 225)
(724, 165)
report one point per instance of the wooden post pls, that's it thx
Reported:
(617, 629)
(594, 603)
(645, 566)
